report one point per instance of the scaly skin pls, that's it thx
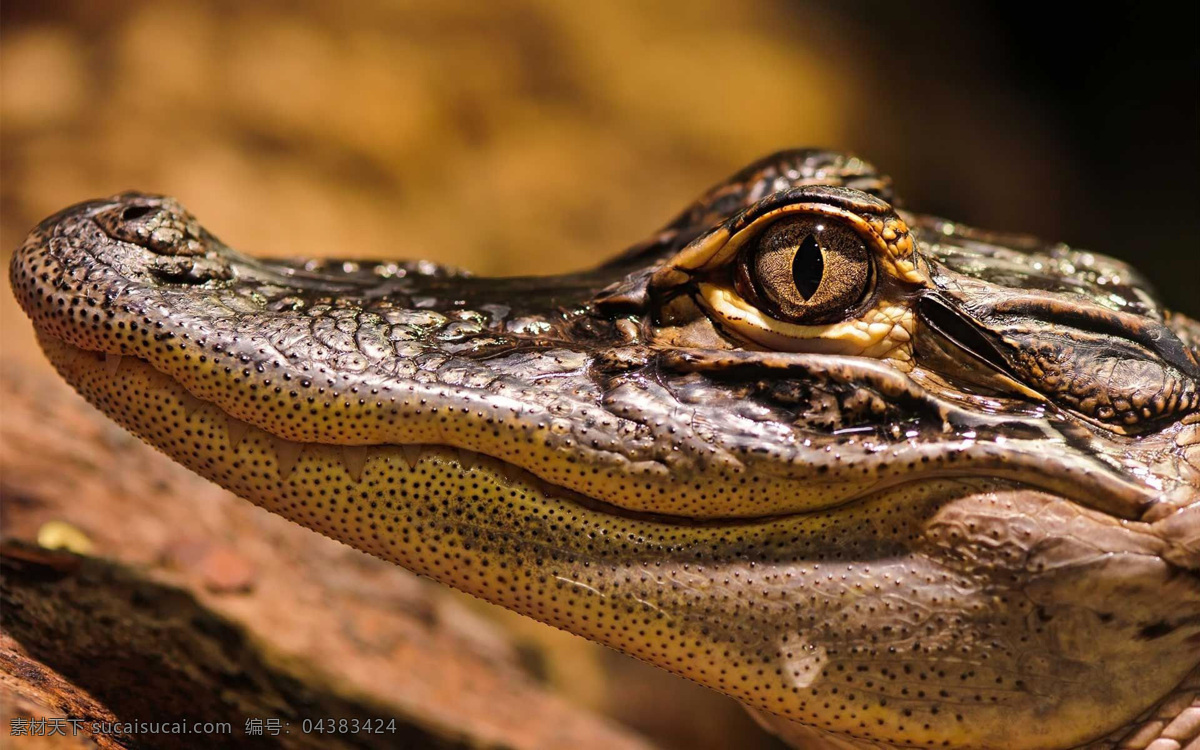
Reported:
(959, 508)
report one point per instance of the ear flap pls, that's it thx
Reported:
(1105, 378)
(1127, 372)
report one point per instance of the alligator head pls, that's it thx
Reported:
(887, 480)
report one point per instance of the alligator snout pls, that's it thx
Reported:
(84, 274)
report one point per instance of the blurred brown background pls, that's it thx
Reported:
(533, 136)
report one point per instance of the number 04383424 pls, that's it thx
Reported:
(348, 726)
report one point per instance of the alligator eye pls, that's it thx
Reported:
(809, 270)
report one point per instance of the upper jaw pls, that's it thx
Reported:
(138, 255)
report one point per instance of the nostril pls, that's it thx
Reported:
(156, 223)
(133, 213)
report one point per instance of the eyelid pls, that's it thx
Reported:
(883, 332)
(719, 247)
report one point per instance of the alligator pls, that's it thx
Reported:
(887, 480)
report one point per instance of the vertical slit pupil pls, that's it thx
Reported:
(808, 267)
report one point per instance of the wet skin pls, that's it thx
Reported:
(887, 480)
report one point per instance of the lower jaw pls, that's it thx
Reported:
(652, 589)
(206, 439)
